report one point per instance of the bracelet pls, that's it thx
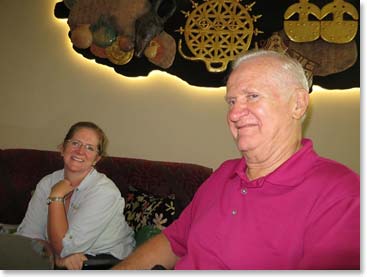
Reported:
(54, 199)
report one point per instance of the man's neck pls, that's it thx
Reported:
(259, 165)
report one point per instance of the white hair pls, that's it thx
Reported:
(290, 65)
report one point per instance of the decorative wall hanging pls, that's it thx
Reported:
(197, 40)
(216, 32)
(330, 30)
(334, 29)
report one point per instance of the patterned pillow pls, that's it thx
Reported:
(143, 209)
(146, 232)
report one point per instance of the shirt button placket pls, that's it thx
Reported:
(243, 192)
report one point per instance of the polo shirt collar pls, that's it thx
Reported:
(289, 173)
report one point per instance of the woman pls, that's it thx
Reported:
(77, 210)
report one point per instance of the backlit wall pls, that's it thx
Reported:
(46, 87)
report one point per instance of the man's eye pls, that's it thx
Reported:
(252, 96)
(230, 102)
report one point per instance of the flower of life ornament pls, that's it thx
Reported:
(217, 31)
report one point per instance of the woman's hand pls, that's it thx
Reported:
(61, 189)
(71, 262)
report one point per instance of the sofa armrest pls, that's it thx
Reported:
(100, 262)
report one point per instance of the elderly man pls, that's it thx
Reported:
(281, 206)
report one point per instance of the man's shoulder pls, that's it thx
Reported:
(334, 177)
(333, 169)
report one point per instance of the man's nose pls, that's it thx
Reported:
(237, 111)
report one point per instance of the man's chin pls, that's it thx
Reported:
(245, 146)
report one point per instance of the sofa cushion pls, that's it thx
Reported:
(156, 177)
(143, 208)
(22, 169)
(144, 233)
(7, 194)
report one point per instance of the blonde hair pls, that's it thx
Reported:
(102, 144)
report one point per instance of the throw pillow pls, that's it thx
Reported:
(145, 233)
(143, 209)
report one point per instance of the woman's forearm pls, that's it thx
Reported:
(57, 225)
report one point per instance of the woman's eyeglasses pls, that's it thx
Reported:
(77, 144)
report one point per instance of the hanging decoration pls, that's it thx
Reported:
(335, 30)
(119, 29)
(315, 37)
(196, 40)
(217, 31)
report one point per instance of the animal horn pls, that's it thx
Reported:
(172, 8)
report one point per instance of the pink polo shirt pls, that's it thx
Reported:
(304, 215)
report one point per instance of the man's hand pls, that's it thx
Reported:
(71, 262)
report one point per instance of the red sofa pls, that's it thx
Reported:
(21, 170)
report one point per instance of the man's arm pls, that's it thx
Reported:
(156, 251)
(332, 241)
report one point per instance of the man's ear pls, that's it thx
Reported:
(301, 103)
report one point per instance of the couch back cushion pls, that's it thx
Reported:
(156, 177)
(22, 169)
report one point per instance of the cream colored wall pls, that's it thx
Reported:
(46, 86)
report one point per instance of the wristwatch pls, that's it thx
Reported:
(54, 199)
